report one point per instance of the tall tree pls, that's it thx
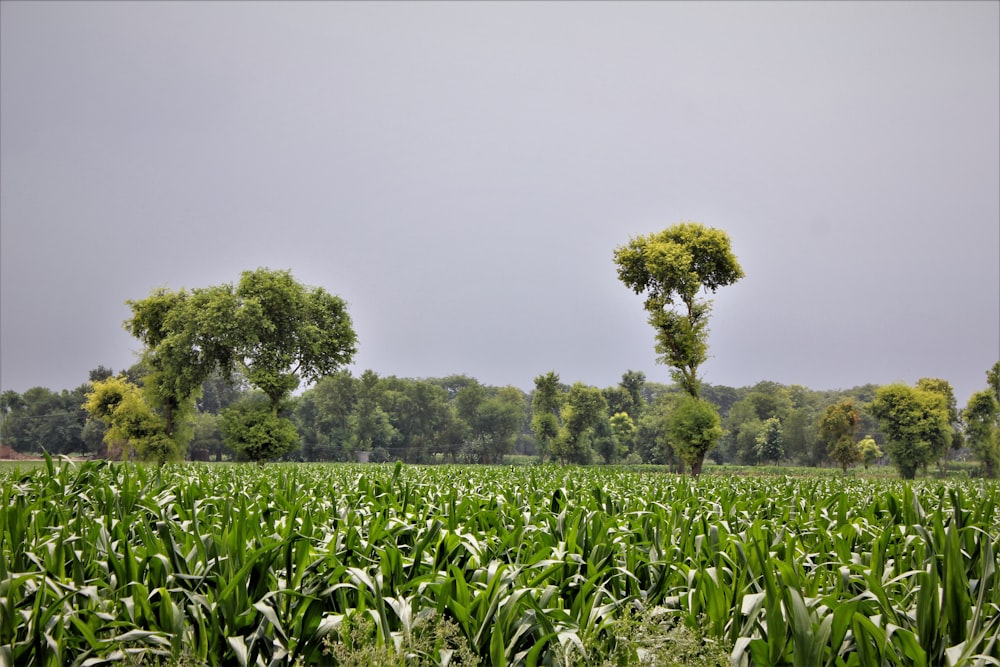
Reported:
(915, 423)
(582, 412)
(623, 429)
(546, 402)
(869, 450)
(323, 417)
(178, 354)
(943, 388)
(671, 268)
(41, 419)
(837, 427)
(982, 427)
(770, 441)
(420, 413)
(993, 380)
(633, 382)
(370, 423)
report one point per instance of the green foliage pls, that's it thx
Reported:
(837, 427)
(916, 426)
(694, 428)
(993, 380)
(671, 267)
(546, 403)
(427, 641)
(306, 564)
(982, 428)
(869, 451)
(623, 429)
(493, 421)
(207, 440)
(282, 330)
(253, 431)
(43, 419)
(584, 409)
(268, 328)
(132, 424)
(770, 441)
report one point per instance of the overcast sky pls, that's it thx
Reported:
(461, 174)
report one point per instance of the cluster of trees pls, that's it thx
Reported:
(221, 364)
(267, 329)
(459, 419)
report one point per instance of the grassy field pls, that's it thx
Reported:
(363, 564)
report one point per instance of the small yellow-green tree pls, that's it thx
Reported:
(132, 423)
(837, 427)
(869, 450)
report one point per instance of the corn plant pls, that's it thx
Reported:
(233, 565)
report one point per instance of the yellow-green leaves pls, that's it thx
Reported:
(671, 267)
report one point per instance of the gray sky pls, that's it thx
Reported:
(461, 173)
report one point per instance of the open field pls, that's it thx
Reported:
(365, 564)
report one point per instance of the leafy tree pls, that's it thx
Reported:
(178, 354)
(915, 423)
(100, 373)
(41, 419)
(770, 441)
(633, 383)
(742, 427)
(283, 330)
(269, 328)
(838, 426)
(993, 380)
(943, 388)
(207, 440)
(493, 421)
(420, 413)
(652, 444)
(132, 424)
(799, 435)
(694, 428)
(982, 425)
(869, 450)
(251, 429)
(370, 424)
(545, 406)
(671, 267)
(10, 401)
(623, 429)
(323, 417)
(582, 412)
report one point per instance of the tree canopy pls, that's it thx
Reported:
(268, 328)
(671, 267)
(915, 423)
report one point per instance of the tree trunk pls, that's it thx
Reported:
(696, 466)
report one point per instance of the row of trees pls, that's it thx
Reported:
(459, 419)
(269, 332)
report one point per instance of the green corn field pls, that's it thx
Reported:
(452, 565)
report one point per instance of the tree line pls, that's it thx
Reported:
(459, 419)
(247, 346)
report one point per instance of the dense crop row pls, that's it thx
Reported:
(311, 564)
